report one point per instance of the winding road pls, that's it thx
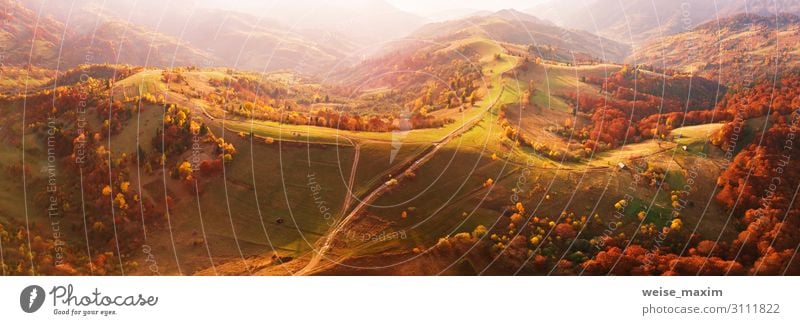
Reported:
(383, 187)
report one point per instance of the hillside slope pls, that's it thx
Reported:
(149, 34)
(637, 21)
(30, 34)
(735, 49)
(512, 26)
(26, 37)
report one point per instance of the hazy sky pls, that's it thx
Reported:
(422, 7)
(418, 7)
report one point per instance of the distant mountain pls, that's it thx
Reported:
(27, 37)
(366, 22)
(60, 43)
(125, 43)
(735, 49)
(516, 27)
(460, 50)
(154, 34)
(454, 13)
(247, 42)
(637, 21)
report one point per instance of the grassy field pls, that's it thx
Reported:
(377, 161)
(445, 188)
(263, 184)
(11, 183)
(15, 79)
(235, 218)
(13, 137)
(546, 107)
(696, 139)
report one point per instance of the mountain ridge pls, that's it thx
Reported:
(726, 49)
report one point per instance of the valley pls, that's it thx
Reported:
(494, 144)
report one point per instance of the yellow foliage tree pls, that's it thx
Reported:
(676, 224)
(120, 201)
(520, 208)
(98, 226)
(516, 218)
(185, 170)
(621, 204)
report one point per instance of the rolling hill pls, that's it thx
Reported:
(366, 23)
(732, 50)
(638, 21)
(498, 143)
(121, 32)
(511, 26)
(26, 37)
(33, 35)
